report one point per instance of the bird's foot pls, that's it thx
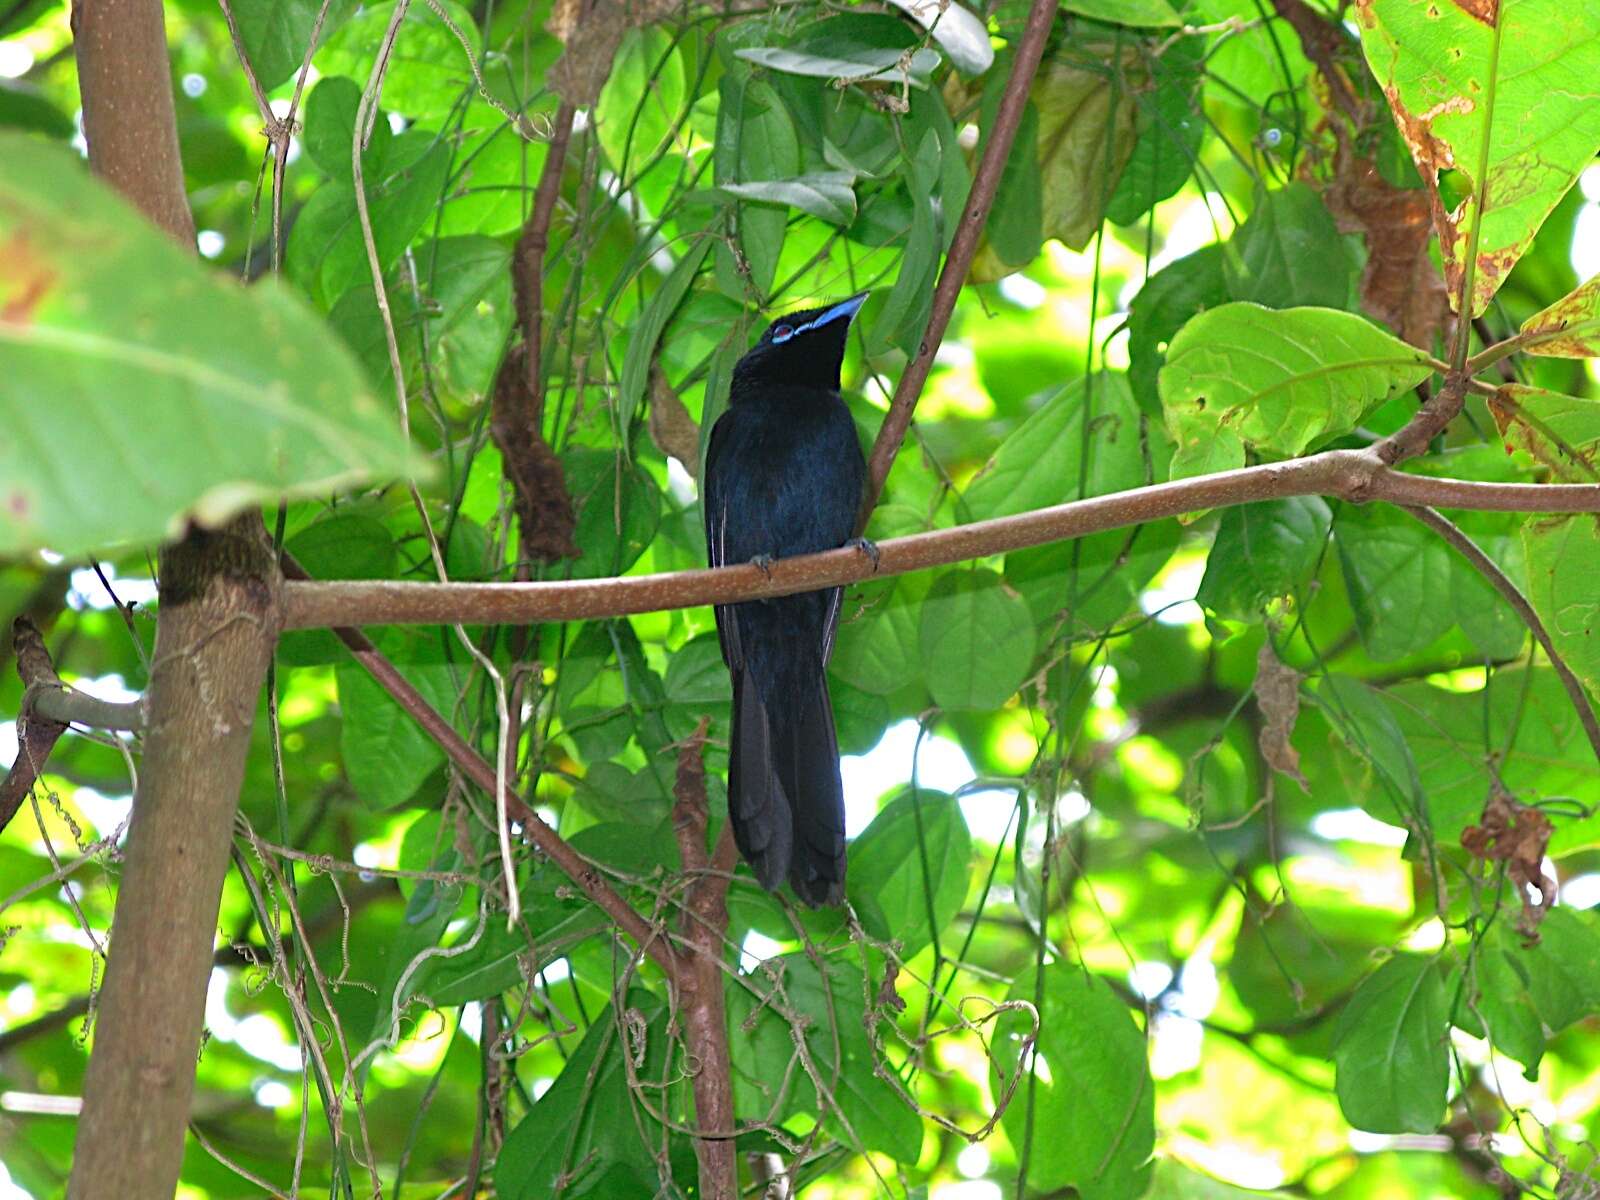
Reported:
(763, 563)
(864, 546)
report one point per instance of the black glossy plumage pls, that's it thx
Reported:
(783, 476)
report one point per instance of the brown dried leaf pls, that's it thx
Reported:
(1277, 690)
(1518, 836)
(671, 427)
(1400, 286)
(545, 517)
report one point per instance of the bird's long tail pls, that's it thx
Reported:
(784, 792)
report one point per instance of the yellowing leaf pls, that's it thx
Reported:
(1569, 328)
(1503, 92)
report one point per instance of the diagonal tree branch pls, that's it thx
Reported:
(1502, 583)
(1354, 475)
(996, 149)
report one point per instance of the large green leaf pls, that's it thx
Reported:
(140, 391)
(277, 33)
(1503, 93)
(1168, 298)
(1288, 253)
(909, 869)
(1398, 573)
(1082, 441)
(1262, 552)
(1089, 1115)
(756, 141)
(641, 345)
(1392, 1056)
(427, 74)
(977, 639)
(1277, 382)
(643, 99)
(386, 753)
(589, 1135)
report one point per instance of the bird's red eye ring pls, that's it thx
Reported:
(783, 333)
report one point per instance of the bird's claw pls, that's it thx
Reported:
(763, 563)
(864, 546)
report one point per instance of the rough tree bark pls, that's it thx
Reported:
(218, 621)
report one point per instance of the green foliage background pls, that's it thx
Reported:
(1242, 979)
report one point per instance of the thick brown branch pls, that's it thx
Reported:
(964, 246)
(1349, 474)
(1490, 570)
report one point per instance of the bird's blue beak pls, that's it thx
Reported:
(844, 310)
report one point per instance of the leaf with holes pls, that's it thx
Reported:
(1277, 382)
(1503, 93)
(141, 391)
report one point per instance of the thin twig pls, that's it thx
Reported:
(1490, 570)
(1353, 475)
(963, 248)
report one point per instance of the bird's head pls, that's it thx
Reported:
(801, 349)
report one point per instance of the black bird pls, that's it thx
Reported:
(783, 476)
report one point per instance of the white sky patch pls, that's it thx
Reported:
(20, 1000)
(1149, 979)
(194, 85)
(557, 972)
(1172, 594)
(8, 742)
(756, 949)
(1198, 989)
(472, 1021)
(1356, 825)
(111, 688)
(273, 1094)
(16, 60)
(973, 1161)
(1023, 292)
(210, 243)
(1581, 891)
(105, 813)
(941, 766)
(1176, 1043)
(258, 1035)
(88, 592)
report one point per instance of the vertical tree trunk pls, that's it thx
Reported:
(214, 639)
(215, 631)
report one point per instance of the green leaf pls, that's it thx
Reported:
(142, 391)
(876, 649)
(1498, 993)
(326, 252)
(977, 639)
(588, 1135)
(1092, 1117)
(756, 142)
(330, 121)
(1139, 14)
(1278, 382)
(277, 33)
(789, 994)
(468, 280)
(503, 959)
(427, 74)
(868, 65)
(903, 316)
(1087, 115)
(1096, 579)
(647, 329)
(618, 508)
(1563, 967)
(1289, 252)
(1503, 94)
(1569, 328)
(1563, 555)
(386, 753)
(1264, 551)
(643, 100)
(340, 546)
(1362, 717)
(1171, 130)
(827, 195)
(1561, 432)
(26, 108)
(912, 863)
(1051, 458)
(1398, 572)
(1168, 298)
(1392, 1048)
